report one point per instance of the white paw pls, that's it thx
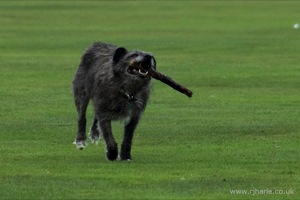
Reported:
(80, 144)
(94, 138)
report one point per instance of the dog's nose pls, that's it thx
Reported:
(147, 58)
(147, 61)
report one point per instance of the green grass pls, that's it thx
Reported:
(240, 130)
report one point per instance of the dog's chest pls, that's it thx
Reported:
(124, 107)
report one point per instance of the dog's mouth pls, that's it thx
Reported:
(137, 69)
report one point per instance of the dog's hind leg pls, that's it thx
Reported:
(81, 105)
(95, 132)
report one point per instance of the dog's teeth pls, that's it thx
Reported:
(143, 73)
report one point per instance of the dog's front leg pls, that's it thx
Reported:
(127, 140)
(111, 145)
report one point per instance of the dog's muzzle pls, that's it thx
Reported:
(141, 65)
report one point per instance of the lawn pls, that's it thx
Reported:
(238, 133)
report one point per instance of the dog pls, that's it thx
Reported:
(119, 90)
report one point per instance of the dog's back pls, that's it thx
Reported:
(99, 52)
(92, 59)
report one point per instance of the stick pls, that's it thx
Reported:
(161, 77)
(170, 82)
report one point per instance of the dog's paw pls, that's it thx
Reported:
(94, 138)
(80, 144)
(112, 155)
(125, 156)
(112, 152)
(125, 152)
(128, 159)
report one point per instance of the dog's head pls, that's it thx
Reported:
(134, 64)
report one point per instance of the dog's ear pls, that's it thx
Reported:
(119, 54)
(153, 63)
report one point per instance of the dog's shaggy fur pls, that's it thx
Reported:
(118, 90)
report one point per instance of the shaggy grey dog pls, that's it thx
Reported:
(108, 75)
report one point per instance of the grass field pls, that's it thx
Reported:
(240, 130)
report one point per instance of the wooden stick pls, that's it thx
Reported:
(169, 81)
(161, 77)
